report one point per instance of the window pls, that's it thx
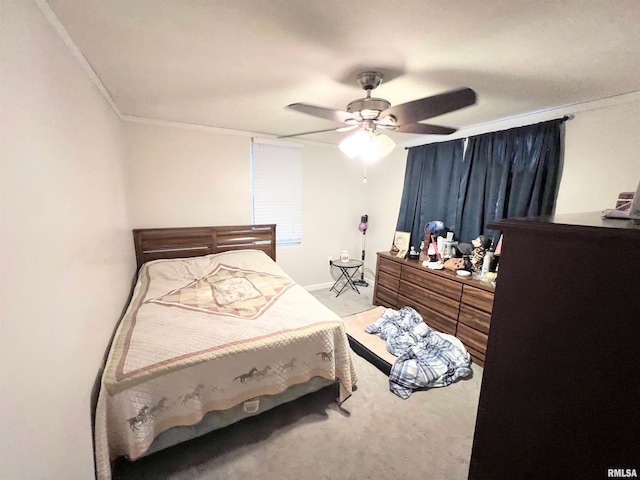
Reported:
(277, 188)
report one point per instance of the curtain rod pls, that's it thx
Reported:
(564, 119)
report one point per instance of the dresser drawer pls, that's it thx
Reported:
(435, 301)
(474, 318)
(480, 299)
(436, 320)
(388, 281)
(386, 297)
(389, 266)
(473, 338)
(433, 282)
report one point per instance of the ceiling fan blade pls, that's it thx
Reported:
(424, 129)
(346, 129)
(433, 106)
(309, 133)
(322, 112)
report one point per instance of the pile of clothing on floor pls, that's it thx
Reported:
(426, 358)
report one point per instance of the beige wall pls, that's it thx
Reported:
(192, 177)
(333, 201)
(180, 176)
(602, 158)
(66, 261)
(66, 254)
(384, 190)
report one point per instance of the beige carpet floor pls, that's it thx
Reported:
(375, 436)
(349, 301)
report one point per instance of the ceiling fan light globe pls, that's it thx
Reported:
(383, 145)
(353, 145)
(368, 146)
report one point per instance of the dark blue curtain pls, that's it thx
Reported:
(431, 187)
(511, 173)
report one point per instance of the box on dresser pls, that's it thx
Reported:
(448, 303)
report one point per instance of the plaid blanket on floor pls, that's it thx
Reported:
(426, 358)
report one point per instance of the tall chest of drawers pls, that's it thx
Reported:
(559, 396)
(448, 303)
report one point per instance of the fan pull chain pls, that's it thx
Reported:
(364, 175)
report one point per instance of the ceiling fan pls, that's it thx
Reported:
(370, 113)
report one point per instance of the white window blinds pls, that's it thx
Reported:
(277, 188)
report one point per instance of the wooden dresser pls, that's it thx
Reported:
(560, 394)
(447, 302)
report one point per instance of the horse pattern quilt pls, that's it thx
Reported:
(209, 333)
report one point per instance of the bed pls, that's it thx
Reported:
(215, 332)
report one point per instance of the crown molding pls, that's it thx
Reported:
(493, 125)
(529, 118)
(219, 130)
(86, 66)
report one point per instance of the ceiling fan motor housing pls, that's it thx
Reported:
(369, 108)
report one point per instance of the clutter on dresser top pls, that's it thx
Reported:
(440, 250)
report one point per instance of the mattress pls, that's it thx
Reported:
(370, 347)
(211, 334)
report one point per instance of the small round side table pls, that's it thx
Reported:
(348, 270)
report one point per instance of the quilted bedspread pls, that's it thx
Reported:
(208, 333)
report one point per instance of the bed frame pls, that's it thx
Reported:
(165, 243)
(157, 243)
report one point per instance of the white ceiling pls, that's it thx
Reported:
(235, 64)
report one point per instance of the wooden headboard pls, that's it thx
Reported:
(156, 243)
